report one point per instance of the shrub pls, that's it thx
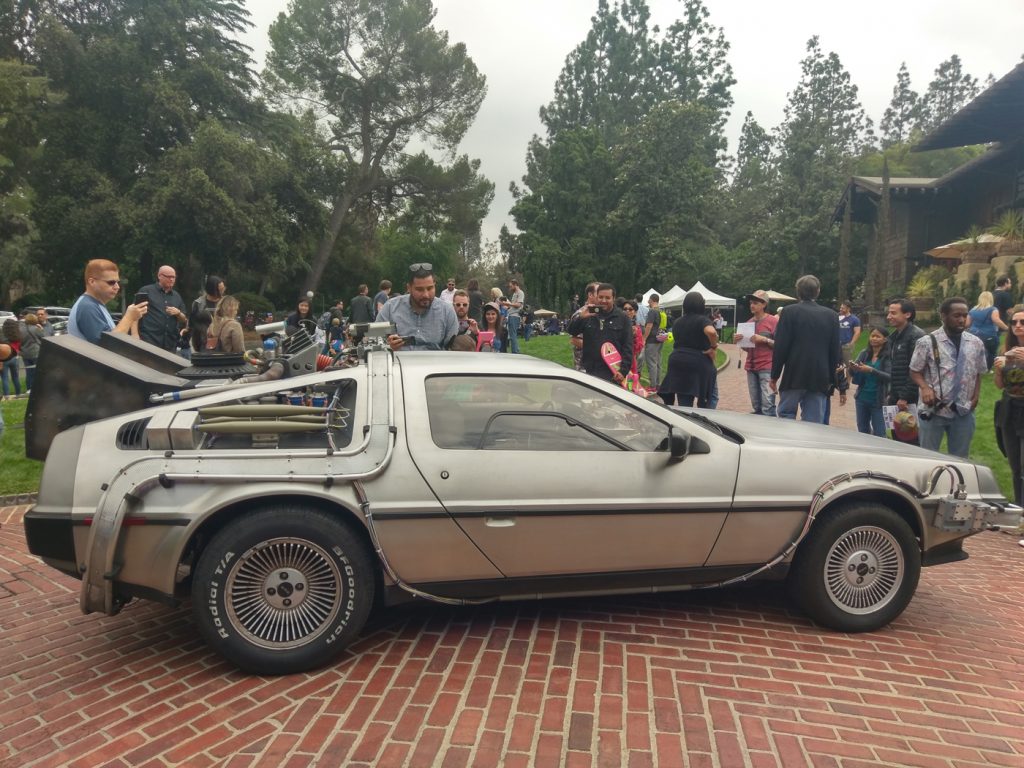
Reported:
(254, 302)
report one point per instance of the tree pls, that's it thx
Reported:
(139, 80)
(625, 185)
(951, 90)
(607, 80)
(692, 64)
(23, 97)
(378, 76)
(823, 131)
(668, 192)
(747, 206)
(903, 112)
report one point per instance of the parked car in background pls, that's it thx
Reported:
(287, 509)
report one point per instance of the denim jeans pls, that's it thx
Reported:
(652, 356)
(870, 420)
(762, 399)
(513, 333)
(30, 373)
(11, 370)
(527, 330)
(958, 431)
(812, 405)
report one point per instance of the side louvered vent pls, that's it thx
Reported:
(132, 436)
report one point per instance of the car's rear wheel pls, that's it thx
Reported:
(283, 590)
(857, 569)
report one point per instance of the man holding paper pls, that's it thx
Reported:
(757, 336)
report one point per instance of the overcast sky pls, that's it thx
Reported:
(521, 45)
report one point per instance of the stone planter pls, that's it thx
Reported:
(977, 256)
(923, 303)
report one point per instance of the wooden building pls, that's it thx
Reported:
(928, 212)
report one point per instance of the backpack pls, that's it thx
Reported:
(212, 342)
(658, 334)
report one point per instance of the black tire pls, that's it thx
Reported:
(283, 590)
(857, 569)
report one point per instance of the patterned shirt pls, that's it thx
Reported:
(956, 377)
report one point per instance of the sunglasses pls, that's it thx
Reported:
(461, 303)
(111, 283)
(423, 266)
(1017, 322)
(170, 277)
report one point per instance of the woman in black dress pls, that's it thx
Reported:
(691, 367)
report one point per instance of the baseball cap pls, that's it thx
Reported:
(761, 296)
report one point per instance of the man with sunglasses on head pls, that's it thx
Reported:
(89, 317)
(421, 320)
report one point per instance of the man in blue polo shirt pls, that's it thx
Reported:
(849, 331)
(418, 316)
(89, 317)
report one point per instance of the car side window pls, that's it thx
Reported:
(530, 413)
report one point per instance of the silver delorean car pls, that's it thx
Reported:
(287, 509)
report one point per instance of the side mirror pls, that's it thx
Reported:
(678, 446)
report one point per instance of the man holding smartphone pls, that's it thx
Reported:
(89, 317)
(161, 326)
(602, 322)
(421, 320)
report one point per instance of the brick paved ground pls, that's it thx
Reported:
(727, 678)
(732, 390)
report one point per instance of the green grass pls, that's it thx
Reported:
(21, 475)
(17, 473)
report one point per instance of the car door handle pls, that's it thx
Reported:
(499, 522)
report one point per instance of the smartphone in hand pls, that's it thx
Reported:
(141, 298)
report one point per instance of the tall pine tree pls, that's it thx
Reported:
(951, 90)
(903, 112)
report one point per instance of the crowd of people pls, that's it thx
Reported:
(911, 386)
(924, 387)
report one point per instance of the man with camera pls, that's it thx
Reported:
(599, 323)
(421, 320)
(947, 365)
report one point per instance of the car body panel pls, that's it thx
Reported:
(482, 475)
(610, 510)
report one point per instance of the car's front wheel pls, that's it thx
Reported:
(857, 569)
(283, 590)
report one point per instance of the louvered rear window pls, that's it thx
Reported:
(132, 436)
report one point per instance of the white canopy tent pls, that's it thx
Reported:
(673, 294)
(711, 299)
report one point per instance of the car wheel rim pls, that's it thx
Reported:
(283, 593)
(864, 570)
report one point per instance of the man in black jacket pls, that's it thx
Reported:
(599, 323)
(162, 324)
(900, 346)
(806, 354)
